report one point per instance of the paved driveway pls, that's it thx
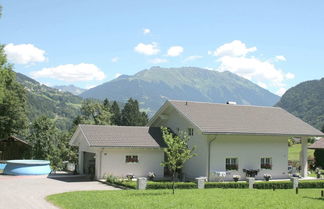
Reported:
(29, 192)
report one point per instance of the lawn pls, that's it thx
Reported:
(294, 150)
(190, 199)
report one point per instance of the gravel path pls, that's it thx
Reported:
(29, 192)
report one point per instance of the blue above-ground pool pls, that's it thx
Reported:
(27, 167)
(2, 166)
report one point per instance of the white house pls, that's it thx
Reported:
(227, 137)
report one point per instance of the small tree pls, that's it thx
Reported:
(177, 152)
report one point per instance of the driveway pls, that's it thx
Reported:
(29, 192)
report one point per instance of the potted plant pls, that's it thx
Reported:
(151, 176)
(267, 177)
(318, 173)
(236, 177)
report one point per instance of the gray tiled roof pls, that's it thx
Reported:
(122, 136)
(319, 144)
(243, 119)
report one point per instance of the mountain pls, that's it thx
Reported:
(306, 101)
(153, 86)
(70, 88)
(44, 100)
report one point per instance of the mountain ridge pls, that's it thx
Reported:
(151, 87)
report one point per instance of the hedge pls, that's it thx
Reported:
(273, 184)
(224, 185)
(311, 184)
(168, 185)
(238, 185)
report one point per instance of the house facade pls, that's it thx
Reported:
(227, 138)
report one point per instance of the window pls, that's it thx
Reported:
(131, 159)
(266, 163)
(190, 131)
(231, 164)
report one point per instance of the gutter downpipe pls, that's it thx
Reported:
(211, 141)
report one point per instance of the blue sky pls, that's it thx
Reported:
(276, 44)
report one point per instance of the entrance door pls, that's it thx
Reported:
(89, 163)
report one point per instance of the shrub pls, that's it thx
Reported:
(319, 158)
(226, 185)
(114, 180)
(168, 185)
(273, 184)
(311, 184)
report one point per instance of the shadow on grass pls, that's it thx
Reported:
(314, 198)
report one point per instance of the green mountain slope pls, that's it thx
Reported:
(70, 88)
(306, 101)
(152, 87)
(43, 100)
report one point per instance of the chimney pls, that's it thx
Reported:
(231, 102)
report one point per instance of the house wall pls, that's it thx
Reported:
(249, 150)
(196, 166)
(112, 161)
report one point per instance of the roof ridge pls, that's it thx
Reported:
(114, 126)
(240, 105)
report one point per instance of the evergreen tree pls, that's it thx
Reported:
(116, 115)
(131, 115)
(13, 119)
(106, 104)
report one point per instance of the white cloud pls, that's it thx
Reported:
(174, 51)
(290, 76)
(71, 72)
(117, 75)
(235, 48)
(281, 91)
(280, 58)
(146, 31)
(158, 60)
(263, 85)
(192, 58)
(234, 57)
(147, 49)
(90, 86)
(24, 53)
(115, 59)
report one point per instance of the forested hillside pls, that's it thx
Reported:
(306, 101)
(44, 100)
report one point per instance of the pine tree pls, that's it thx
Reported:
(131, 115)
(116, 115)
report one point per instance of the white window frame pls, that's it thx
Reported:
(266, 161)
(132, 159)
(233, 161)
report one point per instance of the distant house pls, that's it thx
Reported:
(319, 144)
(228, 138)
(14, 148)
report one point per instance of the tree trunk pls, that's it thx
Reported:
(173, 174)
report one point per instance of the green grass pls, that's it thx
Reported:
(190, 199)
(294, 150)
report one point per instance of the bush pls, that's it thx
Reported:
(168, 185)
(273, 184)
(311, 184)
(114, 180)
(224, 185)
(319, 158)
